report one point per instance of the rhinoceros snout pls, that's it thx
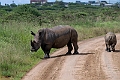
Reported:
(33, 50)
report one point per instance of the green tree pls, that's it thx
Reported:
(13, 5)
(27, 9)
(59, 4)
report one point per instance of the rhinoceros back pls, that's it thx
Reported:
(62, 35)
(61, 30)
(110, 38)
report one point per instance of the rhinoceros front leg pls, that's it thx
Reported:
(113, 47)
(108, 48)
(46, 54)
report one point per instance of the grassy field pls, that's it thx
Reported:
(15, 56)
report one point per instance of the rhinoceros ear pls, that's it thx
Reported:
(33, 33)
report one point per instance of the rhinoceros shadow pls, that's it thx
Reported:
(117, 50)
(69, 55)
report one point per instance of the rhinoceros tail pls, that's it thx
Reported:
(74, 35)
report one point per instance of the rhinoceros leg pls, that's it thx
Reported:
(108, 48)
(46, 54)
(46, 50)
(75, 48)
(113, 47)
(70, 48)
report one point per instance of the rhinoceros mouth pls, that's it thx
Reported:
(33, 50)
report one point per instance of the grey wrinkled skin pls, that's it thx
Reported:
(110, 41)
(56, 37)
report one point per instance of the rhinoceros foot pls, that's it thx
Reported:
(108, 50)
(68, 53)
(46, 56)
(76, 52)
(113, 50)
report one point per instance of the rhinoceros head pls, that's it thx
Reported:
(36, 43)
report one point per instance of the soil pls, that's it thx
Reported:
(92, 63)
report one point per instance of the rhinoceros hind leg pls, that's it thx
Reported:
(76, 52)
(68, 53)
(70, 48)
(75, 47)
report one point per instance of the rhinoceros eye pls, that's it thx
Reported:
(34, 42)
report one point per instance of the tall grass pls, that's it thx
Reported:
(97, 29)
(15, 56)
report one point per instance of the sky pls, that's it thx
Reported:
(28, 1)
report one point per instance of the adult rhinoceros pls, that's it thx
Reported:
(110, 41)
(56, 37)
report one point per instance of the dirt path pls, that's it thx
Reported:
(93, 63)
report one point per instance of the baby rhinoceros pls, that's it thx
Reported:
(110, 41)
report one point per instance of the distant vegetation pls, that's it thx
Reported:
(16, 22)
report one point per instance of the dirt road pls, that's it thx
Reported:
(93, 63)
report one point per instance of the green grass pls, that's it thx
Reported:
(15, 56)
(97, 29)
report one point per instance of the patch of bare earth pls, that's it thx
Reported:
(93, 63)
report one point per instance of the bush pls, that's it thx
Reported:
(27, 9)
